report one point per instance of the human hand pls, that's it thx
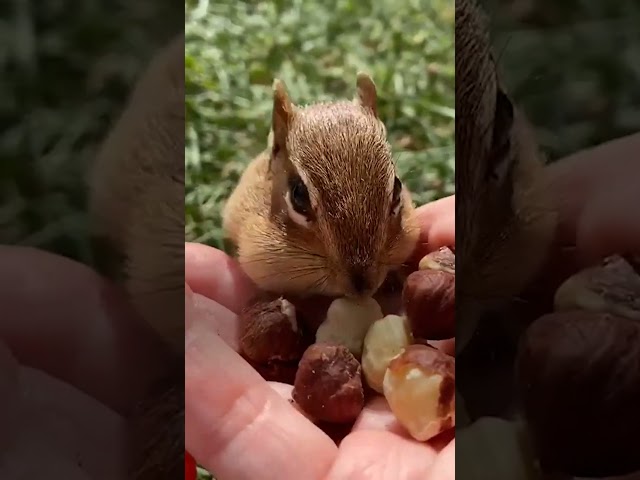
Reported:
(595, 192)
(239, 426)
(73, 361)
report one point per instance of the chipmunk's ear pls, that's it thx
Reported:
(283, 113)
(501, 160)
(366, 95)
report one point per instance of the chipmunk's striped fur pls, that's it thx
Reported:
(505, 221)
(137, 194)
(136, 205)
(356, 223)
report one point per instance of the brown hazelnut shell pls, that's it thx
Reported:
(271, 330)
(578, 377)
(428, 299)
(328, 384)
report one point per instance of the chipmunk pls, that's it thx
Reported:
(136, 186)
(505, 221)
(322, 211)
(136, 203)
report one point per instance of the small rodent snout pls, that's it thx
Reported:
(363, 280)
(359, 281)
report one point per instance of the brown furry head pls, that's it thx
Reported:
(339, 219)
(505, 222)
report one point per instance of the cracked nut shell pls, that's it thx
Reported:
(442, 259)
(328, 384)
(612, 287)
(578, 376)
(419, 386)
(386, 338)
(428, 299)
(270, 331)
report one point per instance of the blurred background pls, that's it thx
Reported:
(234, 49)
(66, 70)
(573, 66)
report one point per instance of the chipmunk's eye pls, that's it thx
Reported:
(395, 199)
(298, 199)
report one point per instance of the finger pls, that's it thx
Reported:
(222, 320)
(230, 410)
(576, 180)
(72, 424)
(61, 317)
(610, 226)
(443, 207)
(212, 273)
(381, 455)
(444, 467)
(437, 225)
(40, 412)
(8, 394)
(377, 416)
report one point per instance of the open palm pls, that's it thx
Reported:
(239, 426)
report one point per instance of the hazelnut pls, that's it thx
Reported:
(347, 322)
(612, 287)
(386, 338)
(442, 259)
(419, 386)
(328, 384)
(495, 448)
(428, 298)
(269, 331)
(578, 376)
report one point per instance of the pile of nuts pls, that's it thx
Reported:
(578, 372)
(358, 351)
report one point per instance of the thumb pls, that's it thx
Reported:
(8, 394)
(610, 225)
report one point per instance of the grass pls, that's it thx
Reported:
(572, 66)
(67, 71)
(235, 49)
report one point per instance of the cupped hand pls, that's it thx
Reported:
(73, 361)
(594, 193)
(239, 426)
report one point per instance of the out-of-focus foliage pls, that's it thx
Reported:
(236, 48)
(573, 66)
(66, 71)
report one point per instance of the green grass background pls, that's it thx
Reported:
(68, 66)
(235, 49)
(573, 67)
(66, 71)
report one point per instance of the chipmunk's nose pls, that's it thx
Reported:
(360, 281)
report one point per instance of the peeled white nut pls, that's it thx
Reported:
(419, 386)
(386, 338)
(348, 321)
(495, 448)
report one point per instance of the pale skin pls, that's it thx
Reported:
(42, 319)
(251, 415)
(73, 361)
